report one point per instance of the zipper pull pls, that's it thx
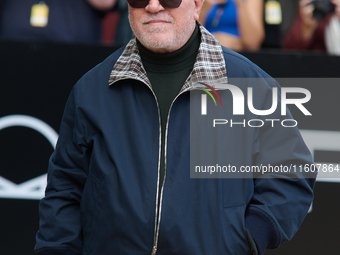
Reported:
(154, 250)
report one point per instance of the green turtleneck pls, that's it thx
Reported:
(167, 74)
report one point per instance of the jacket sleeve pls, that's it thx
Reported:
(278, 205)
(281, 199)
(60, 223)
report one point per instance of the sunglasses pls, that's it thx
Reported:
(170, 4)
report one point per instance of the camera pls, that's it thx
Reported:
(322, 8)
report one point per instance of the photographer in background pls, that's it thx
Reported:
(317, 27)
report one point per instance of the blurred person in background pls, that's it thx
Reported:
(237, 24)
(76, 21)
(116, 26)
(124, 31)
(312, 31)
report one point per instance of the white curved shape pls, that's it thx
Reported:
(30, 122)
(34, 188)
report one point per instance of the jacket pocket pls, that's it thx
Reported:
(235, 229)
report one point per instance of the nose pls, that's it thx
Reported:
(154, 6)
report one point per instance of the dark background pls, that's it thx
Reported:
(36, 78)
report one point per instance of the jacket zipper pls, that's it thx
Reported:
(154, 249)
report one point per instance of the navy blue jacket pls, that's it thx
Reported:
(103, 182)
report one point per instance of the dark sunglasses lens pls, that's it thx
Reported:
(170, 3)
(164, 3)
(138, 3)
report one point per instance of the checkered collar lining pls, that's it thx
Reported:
(209, 66)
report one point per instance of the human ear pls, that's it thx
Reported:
(198, 6)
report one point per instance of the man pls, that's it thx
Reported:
(119, 179)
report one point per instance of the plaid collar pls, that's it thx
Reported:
(209, 66)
